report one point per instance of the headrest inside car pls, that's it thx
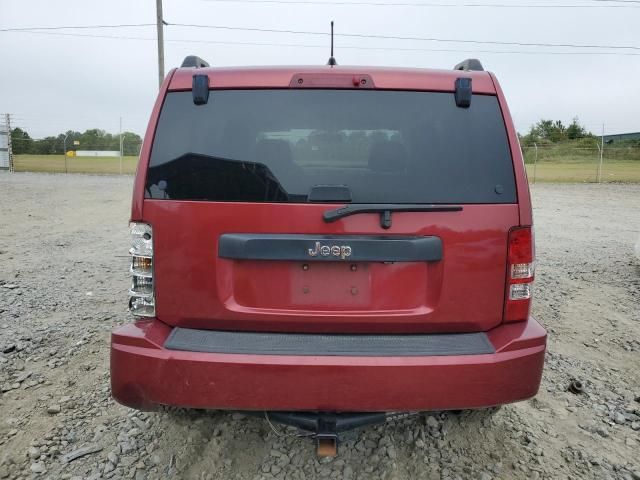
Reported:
(388, 156)
(273, 153)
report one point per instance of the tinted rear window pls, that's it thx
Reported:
(385, 146)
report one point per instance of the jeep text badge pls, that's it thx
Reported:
(342, 251)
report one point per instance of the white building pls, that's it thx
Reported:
(97, 153)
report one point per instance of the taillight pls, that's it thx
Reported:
(141, 294)
(520, 274)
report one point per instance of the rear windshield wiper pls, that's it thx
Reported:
(385, 210)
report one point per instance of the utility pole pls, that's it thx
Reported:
(535, 163)
(120, 135)
(160, 28)
(9, 149)
(601, 155)
(64, 152)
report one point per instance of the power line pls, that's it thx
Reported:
(425, 4)
(346, 47)
(86, 35)
(391, 37)
(352, 47)
(349, 35)
(19, 29)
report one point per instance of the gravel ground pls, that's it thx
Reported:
(63, 281)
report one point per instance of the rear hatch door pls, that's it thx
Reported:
(245, 196)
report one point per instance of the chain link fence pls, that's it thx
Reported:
(550, 163)
(583, 164)
(58, 163)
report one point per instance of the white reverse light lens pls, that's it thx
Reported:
(141, 239)
(142, 286)
(522, 270)
(142, 306)
(520, 291)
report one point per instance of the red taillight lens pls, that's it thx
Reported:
(520, 245)
(520, 273)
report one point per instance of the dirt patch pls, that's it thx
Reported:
(63, 281)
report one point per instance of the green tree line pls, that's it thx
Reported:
(92, 139)
(554, 131)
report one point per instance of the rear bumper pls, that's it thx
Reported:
(145, 375)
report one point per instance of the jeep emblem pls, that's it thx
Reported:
(341, 251)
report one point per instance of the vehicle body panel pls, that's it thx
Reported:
(383, 78)
(149, 376)
(197, 289)
(522, 182)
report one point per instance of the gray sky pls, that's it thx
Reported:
(54, 82)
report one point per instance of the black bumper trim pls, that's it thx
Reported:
(327, 248)
(254, 343)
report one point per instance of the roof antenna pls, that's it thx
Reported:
(332, 61)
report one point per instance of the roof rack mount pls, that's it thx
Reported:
(194, 61)
(470, 65)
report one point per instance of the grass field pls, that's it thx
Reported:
(578, 162)
(56, 164)
(612, 171)
(585, 171)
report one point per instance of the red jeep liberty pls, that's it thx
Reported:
(326, 245)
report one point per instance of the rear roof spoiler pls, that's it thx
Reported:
(470, 65)
(194, 61)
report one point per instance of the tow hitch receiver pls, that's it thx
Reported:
(327, 447)
(326, 427)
